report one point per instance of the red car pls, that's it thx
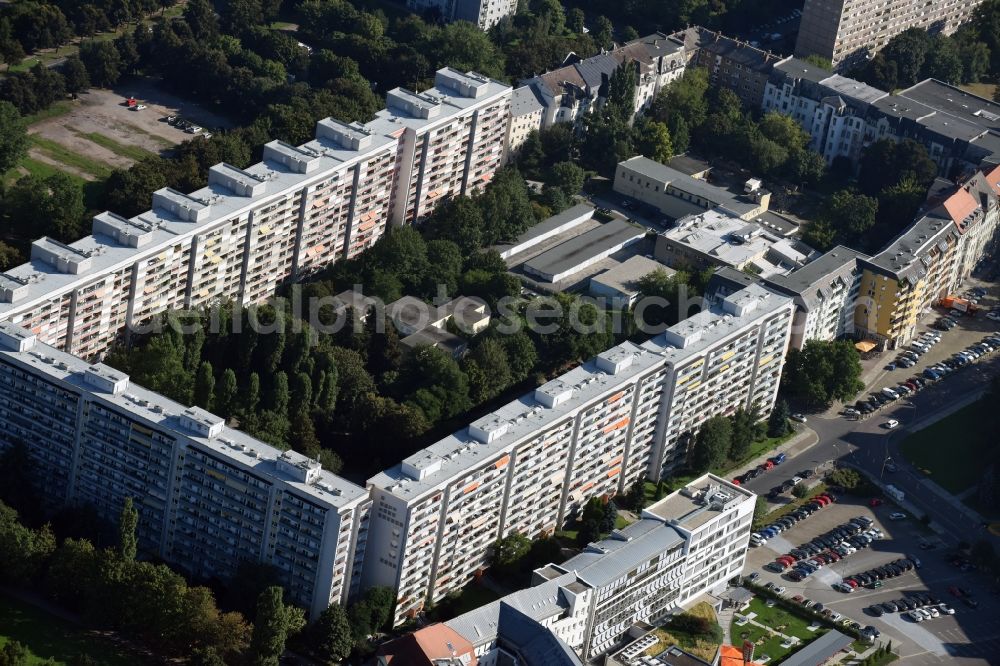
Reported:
(737, 481)
(851, 582)
(874, 502)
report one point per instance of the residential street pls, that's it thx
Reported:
(866, 444)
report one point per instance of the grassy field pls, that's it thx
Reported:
(61, 153)
(696, 645)
(967, 435)
(132, 152)
(48, 637)
(982, 89)
(54, 111)
(165, 143)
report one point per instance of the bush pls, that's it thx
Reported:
(848, 479)
(691, 624)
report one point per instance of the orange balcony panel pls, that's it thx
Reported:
(503, 462)
(587, 486)
(616, 397)
(617, 425)
(615, 472)
(469, 488)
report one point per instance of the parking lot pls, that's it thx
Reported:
(969, 636)
(106, 134)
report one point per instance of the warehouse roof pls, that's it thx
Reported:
(578, 249)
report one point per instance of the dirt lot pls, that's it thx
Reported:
(128, 135)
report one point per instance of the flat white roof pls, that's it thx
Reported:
(176, 216)
(499, 432)
(166, 415)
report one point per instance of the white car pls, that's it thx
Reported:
(995, 316)
(798, 417)
(897, 516)
(946, 609)
(933, 611)
(891, 424)
(138, 107)
(916, 616)
(779, 590)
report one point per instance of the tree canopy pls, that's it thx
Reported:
(821, 372)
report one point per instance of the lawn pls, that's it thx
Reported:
(774, 617)
(777, 616)
(756, 449)
(48, 637)
(818, 489)
(61, 153)
(132, 152)
(966, 434)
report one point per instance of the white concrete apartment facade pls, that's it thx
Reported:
(847, 32)
(688, 544)
(483, 13)
(250, 229)
(209, 498)
(530, 466)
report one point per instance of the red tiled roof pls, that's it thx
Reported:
(960, 205)
(993, 178)
(424, 647)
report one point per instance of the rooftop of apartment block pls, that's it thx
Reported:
(659, 44)
(605, 561)
(955, 102)
(117, 242)
(801, 69)
(540, 603)
(699, 502)
(854, 90)
(207, 430)
(804, 282)
(905, 258)
(744, 53)
(487, 439)
(524, 101)
(453, 93)
(930, 118)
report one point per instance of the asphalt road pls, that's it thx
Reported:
(866, 444)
